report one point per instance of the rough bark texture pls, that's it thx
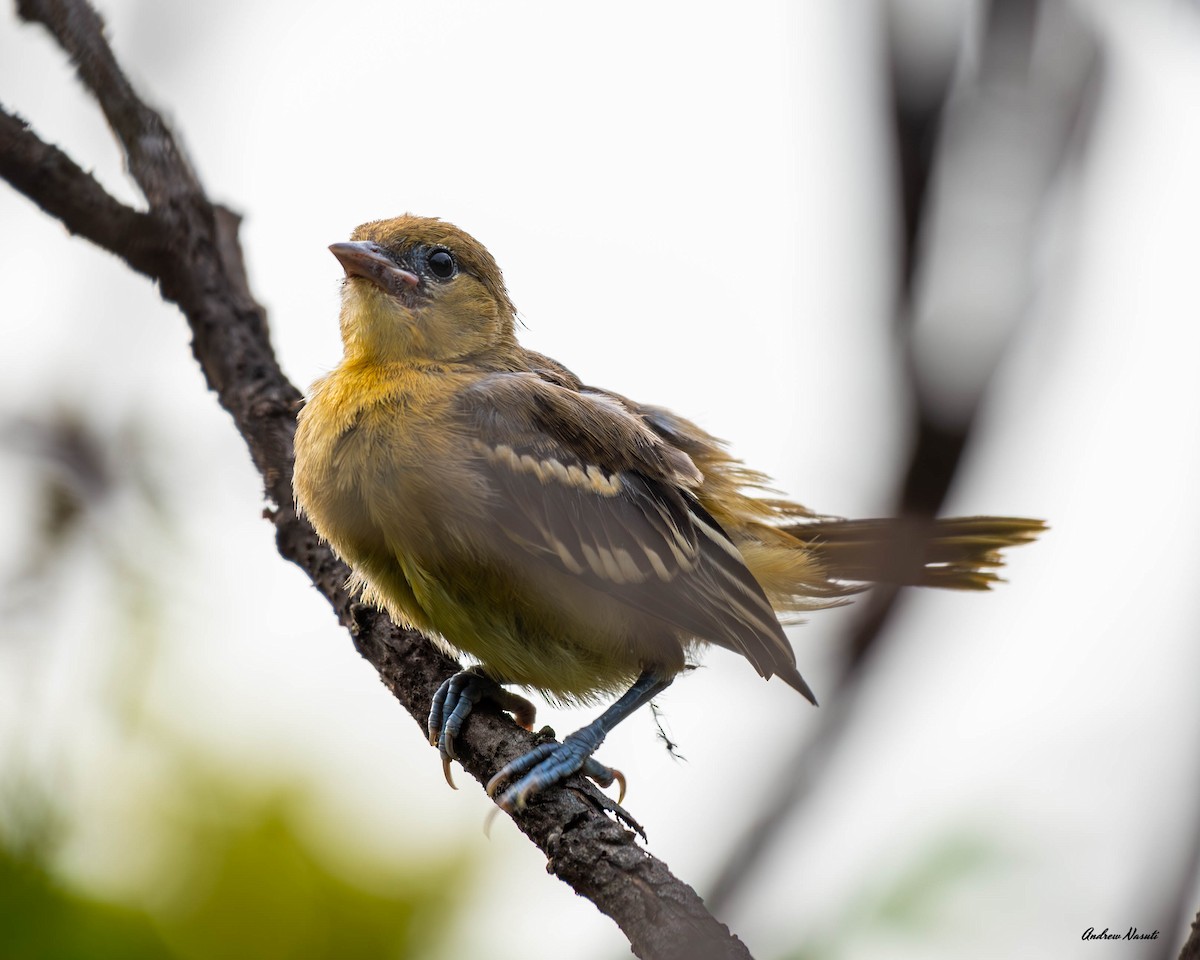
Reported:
(189, 245)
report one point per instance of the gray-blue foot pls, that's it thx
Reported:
(550, 764)
(453, 703)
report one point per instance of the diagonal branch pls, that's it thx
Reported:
(190, 246)
(154, 157)
(65, 191)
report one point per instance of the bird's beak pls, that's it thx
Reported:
(371, 262)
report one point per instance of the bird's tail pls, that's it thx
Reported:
(961, 553)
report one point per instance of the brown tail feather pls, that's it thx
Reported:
(960, 552)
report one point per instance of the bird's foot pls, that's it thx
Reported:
(455, 699)
(550, 764)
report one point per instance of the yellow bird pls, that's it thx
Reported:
(565, 537)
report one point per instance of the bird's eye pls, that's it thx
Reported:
(442, 265)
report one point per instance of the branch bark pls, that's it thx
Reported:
(189, 245)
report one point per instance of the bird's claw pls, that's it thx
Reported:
(547, 765)
(453, 703)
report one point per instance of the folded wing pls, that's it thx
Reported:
(583, 485)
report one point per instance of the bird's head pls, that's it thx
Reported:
(420, 289)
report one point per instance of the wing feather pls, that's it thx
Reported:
(582, 484)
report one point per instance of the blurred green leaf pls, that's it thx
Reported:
(40, 920)
(256, 889)
(239, 880)
(217, 862)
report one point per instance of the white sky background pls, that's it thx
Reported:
(690, 206)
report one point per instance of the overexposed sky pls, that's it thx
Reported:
(691, 206)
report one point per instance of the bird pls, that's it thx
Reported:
(566, 538)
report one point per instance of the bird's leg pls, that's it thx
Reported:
(551, 763)
(455, 699)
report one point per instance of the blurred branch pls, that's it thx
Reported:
(1177, 908)
(1191, 948)
(916, 120)
(950, 153)
(189, 245)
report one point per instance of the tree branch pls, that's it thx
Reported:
(190, 246)
(65, 191)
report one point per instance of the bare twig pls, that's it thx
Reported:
(190, 246)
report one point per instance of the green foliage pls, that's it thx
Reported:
(40, 920)
(216, 862)
(239, 881)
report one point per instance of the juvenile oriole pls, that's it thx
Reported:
(565, 537)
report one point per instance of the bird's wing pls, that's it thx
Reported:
(584, 485)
